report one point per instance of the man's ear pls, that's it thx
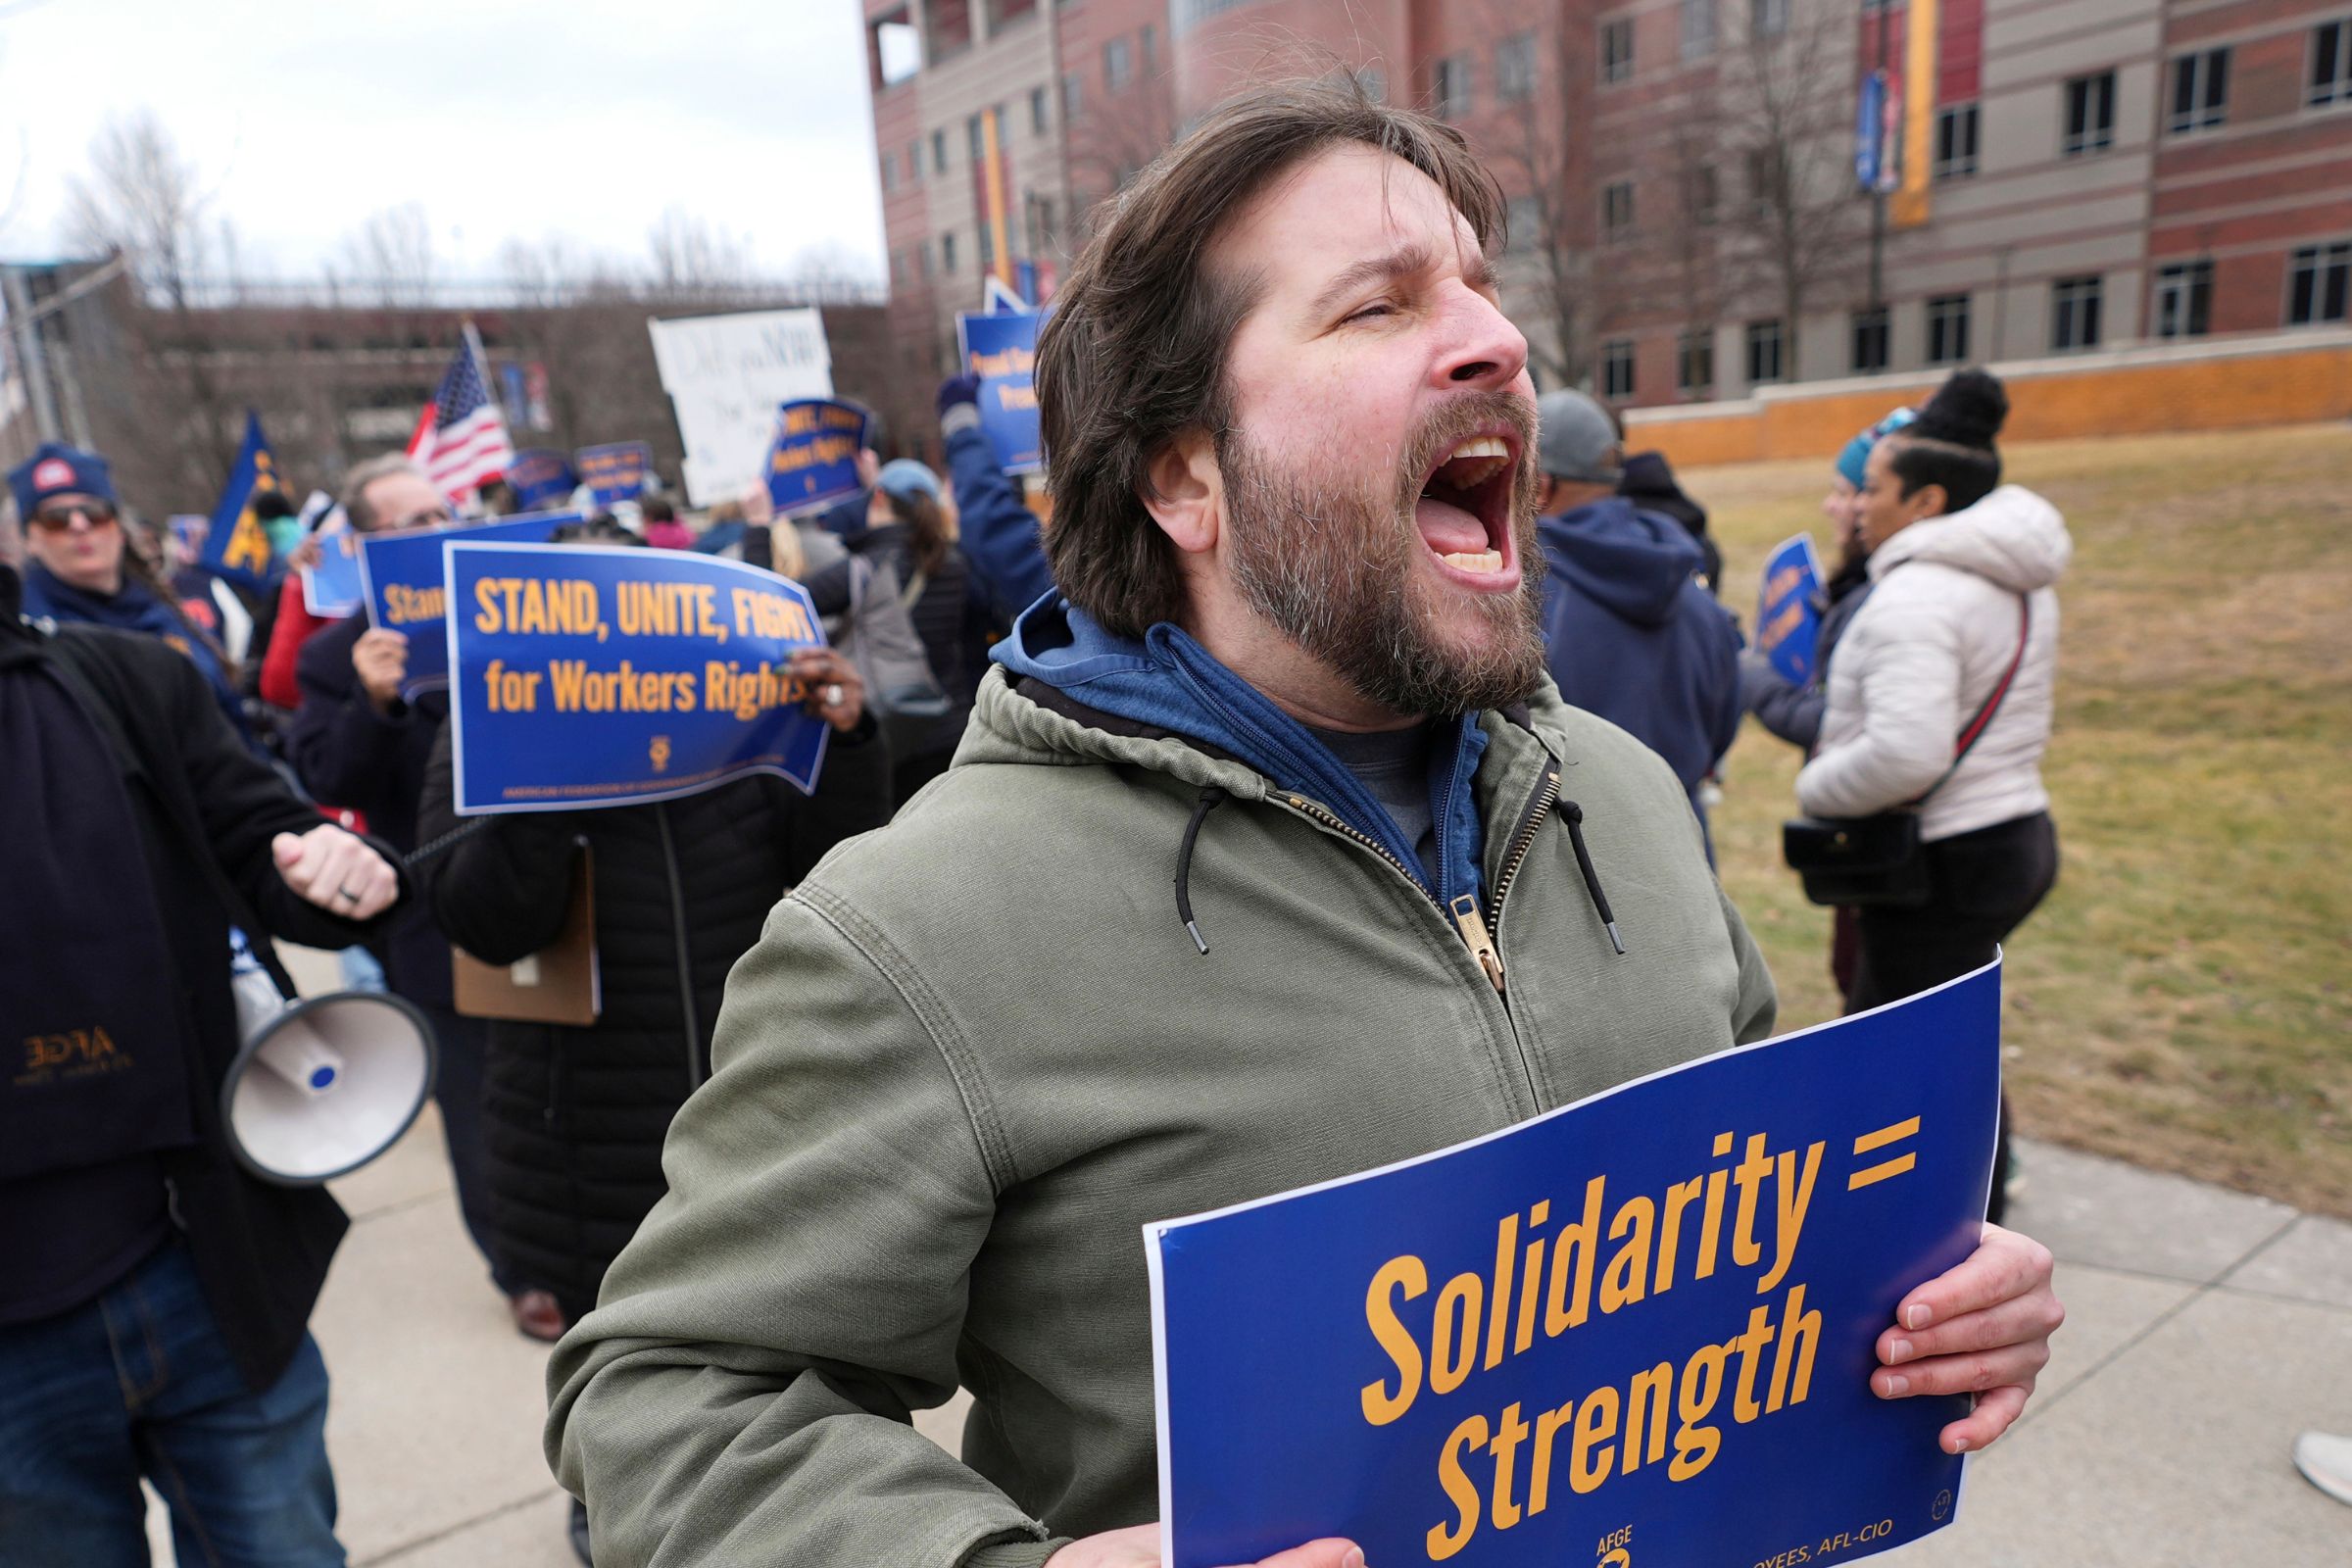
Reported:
(1184, 490)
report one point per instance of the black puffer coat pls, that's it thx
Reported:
(576, 1117)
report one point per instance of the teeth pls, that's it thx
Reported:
(1485, 560)
(1485, 446)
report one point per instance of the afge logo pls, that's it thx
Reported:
(53, 475)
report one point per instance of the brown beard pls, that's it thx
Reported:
(1331, 569)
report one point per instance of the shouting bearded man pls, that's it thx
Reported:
(1295, 666)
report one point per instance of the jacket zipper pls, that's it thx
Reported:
(677, 926)
(1539, 805)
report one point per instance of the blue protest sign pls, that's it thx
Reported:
(616, 473)
(402, 575)
(540, 477)
(1002, 351)
(237, 546)
(1648, 1320)
(589, 676)
(334, 589)
(812, 462)
(1788, 620)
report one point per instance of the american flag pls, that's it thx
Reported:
(460, 439)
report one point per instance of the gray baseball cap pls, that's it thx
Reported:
(1576, 439)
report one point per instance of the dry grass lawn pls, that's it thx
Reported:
(2181, 999)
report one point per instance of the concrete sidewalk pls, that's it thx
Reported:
(2205, 1330)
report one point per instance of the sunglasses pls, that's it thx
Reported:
(56, 520)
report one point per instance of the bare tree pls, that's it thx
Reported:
(390, 256)
(1535, 152)
(692, 259)
(1788, 110)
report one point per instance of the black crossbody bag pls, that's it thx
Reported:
(1878, 861)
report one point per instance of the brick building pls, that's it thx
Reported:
(1686, 223)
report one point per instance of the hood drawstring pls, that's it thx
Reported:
(1211, 797)
(1574, 815)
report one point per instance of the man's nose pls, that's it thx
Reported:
(1487, 350)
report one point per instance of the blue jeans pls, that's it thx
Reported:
(139, 1382)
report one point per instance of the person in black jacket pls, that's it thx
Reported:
(575, 1117)
(153, 1296)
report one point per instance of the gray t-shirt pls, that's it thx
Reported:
(1394, 766)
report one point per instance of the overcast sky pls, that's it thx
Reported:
(505, 120)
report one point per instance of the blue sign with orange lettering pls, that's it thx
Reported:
(812, 462)
(1002, 351)
(402, 575)
(596, 675)
(1787, 620)
(1639, 1328)
(616, 473)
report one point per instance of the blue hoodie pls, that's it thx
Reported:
(1170, 682)
(1630, 635)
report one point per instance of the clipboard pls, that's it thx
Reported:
(561, 983)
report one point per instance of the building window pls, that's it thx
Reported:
(2089, 114)
(1617, 50)
(1705, 196)
(1956, 141)
(1147, 42)
(1763, 352)
(984, 240)
(1515, 66)
(1617, 209)
(1073, 97)
(1763, 179)
(1948, 328)
(2200, 92)
(1769, 18)
(2317, 280)
(922, 260)
(890, 170)
(2075, 313)
(975, 136)
(1118, 66)
(1524, 221)
(2184, 299)
(1450, 86)
(947, 252)
(939, 152)
(1617, 367)
(2331, 65)
(1037, 111)
(1375, 83)
(1870, 340)
(915, 161)
(1695, 362)
(1699, 28)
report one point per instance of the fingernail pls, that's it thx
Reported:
(1899, 1351)
(1897, 1387)
(1916, 1315)
(1353, 1559)
(1959, 1445)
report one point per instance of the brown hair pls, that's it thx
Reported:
(1134, 353)
(926, 528)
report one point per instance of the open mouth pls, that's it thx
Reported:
(1464, 509)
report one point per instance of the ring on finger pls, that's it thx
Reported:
(347, 892)
(832, 694)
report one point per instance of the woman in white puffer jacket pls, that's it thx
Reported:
(1963, 572)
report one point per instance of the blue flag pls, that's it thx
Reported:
(812, 462)
(1646, 1321)
(404, 592)
(1788, 620)
(540, 477)
(237, 546)
(616, 473)
(1002, 351)
(590, 676)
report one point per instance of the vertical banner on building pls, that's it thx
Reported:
(1000, 349)
(992, 148)
(1638, 1330)
(1908, 207)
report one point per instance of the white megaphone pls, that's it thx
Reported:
(325, 1084)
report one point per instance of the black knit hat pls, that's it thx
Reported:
(1967, 411)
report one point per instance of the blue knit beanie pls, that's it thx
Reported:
(1857, 451)
(56, 469)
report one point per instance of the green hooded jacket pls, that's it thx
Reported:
(976, 1051)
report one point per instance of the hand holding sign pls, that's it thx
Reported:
(836, 691)
(1982, 1328)
(380, 660)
